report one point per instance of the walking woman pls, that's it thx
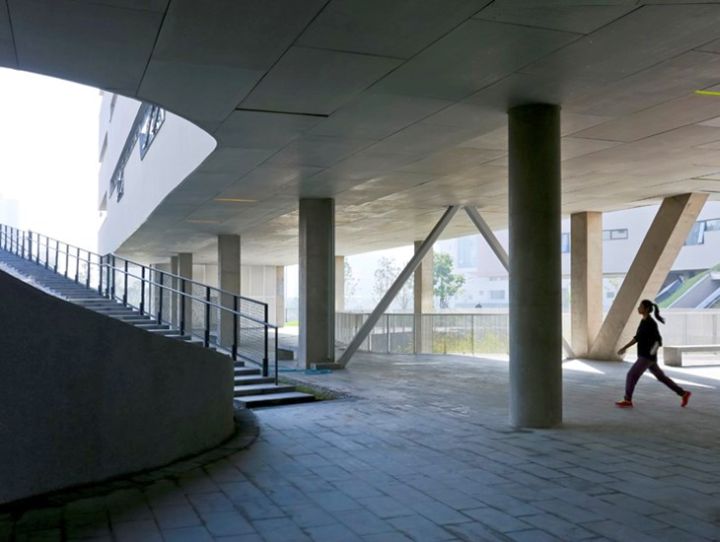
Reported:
(648, 342)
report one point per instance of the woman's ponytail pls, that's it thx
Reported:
(657, 313)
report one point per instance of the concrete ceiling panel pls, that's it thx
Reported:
(316, 81)
(568, 17)
(263, 130)
(75, 40)
(318, 151)
(250, 35)
(643, 38)
(143, 5)
(7, 47)
(375, 115)
(398, 29)
(446, 71)
(674, 78)
(655, 120)
(232, 160)
(198, 92)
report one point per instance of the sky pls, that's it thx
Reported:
(49, 155)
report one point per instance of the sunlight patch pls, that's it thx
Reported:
(577, 365)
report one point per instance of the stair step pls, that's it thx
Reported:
(259, 389)
(246, 371)
(270, 399)
(249, 380)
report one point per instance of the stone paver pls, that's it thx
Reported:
(422, 451)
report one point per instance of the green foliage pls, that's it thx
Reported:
(445, 283)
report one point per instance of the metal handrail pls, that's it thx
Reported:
(29, 245)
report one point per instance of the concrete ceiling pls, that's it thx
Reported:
(394, 108)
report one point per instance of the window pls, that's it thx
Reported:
(712, 225)
(103, 148)
(149, 127)
(113, 101)
(615, 235)
(565, 243)
(697, 234)
(497, 294)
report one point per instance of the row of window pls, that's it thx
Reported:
(608, 235)
(147, 124)
(697, 233)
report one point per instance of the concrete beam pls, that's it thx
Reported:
(229, 281)
(423, 297)
(280, 296)
(586, 280)
(317, 281)
(185, 270)
(651, 265)
(404, 275)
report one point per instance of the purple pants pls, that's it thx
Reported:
(636, 371)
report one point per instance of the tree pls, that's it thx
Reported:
(351, 283)
(405, 297)
(384, 276)
(445, 283)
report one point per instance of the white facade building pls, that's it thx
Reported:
(623, 232)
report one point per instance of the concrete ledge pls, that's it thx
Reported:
(327, 366)
(86, 397)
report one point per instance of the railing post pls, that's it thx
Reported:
(88, 269)
(30, 244)
(125, 279)
(67, 260)
(160, 297)
(77, 265)
(57, 254)
(266, 361)
(112, 278)
(22, 248)
(101, 259)
(142, 289)
(183, 293)
(235, 328)
(207, 316)
(276, 356)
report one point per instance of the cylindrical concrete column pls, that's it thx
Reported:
(228, 281)
(535, 266)
(317, 281)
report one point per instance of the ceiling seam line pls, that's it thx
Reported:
(12, 35)
(152, 50)
(279, 58)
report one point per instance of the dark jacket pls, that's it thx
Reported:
(648, 339)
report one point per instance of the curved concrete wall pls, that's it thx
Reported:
(84, 397)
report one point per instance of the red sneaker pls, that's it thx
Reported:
(624, 404)
(685, 398)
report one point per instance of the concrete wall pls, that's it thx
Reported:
(86, 397)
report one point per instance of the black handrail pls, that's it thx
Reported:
(29, 245)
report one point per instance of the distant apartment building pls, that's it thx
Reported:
(486, 281)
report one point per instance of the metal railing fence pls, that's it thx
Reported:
(230, 323)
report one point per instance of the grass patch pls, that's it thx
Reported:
(292, 323)
(683, 289)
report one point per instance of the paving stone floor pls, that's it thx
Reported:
(422, 451)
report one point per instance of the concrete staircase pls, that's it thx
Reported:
(251, 388)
